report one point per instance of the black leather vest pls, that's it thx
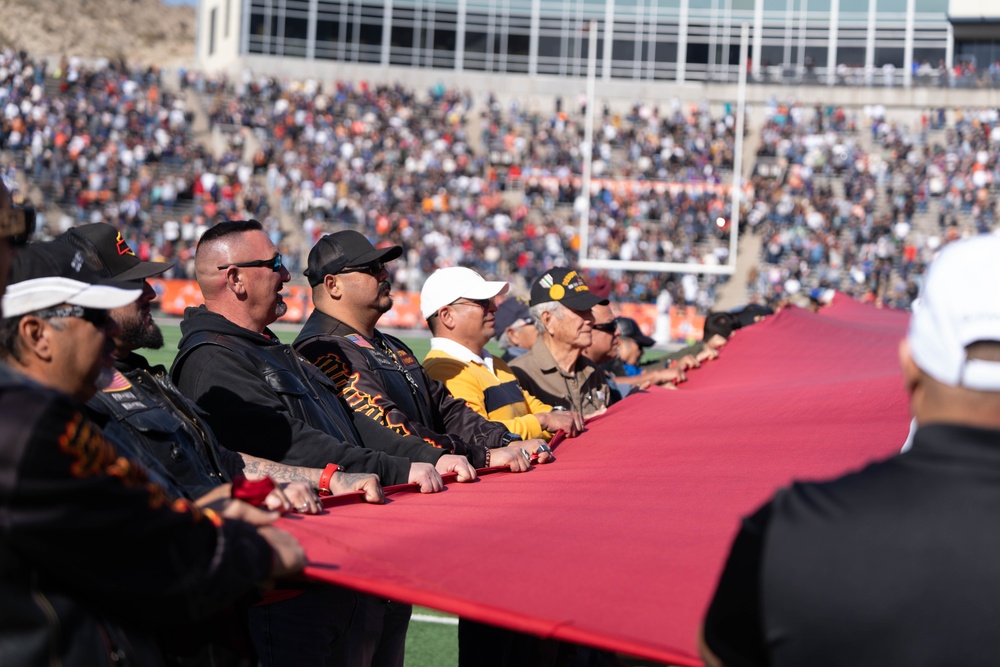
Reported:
(306, 393)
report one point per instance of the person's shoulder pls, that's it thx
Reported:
(525, 360)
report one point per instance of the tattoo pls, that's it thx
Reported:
(257, 468)
(349, 479)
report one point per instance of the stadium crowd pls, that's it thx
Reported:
(106, 142)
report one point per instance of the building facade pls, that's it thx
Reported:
(881, 42)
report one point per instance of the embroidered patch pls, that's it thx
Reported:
(359, 340)
(118, 383)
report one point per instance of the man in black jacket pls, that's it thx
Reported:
(262, 398)
(890, 564)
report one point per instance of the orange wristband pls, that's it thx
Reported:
(324, 479)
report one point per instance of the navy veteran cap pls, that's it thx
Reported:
(565, 286)
(335, 252)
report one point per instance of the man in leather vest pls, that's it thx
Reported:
(377, 374)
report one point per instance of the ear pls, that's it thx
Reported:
(446, 317)
(333, 287)
(911, 372)
(546, 318)
(234, 281)
(36, 337)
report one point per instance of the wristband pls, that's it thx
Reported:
(324, 479)
(487, 464)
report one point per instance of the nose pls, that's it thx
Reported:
(148, 293)
(285, 274)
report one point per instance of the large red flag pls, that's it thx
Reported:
(619, 543)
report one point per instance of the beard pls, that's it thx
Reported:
(384, 299)
(280, 309)
(136, 335)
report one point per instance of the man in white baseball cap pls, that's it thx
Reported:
(890, 564)
(460, 307)
(56, 321)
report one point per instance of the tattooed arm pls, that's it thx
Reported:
(341, 482)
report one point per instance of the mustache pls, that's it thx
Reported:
(385, 285)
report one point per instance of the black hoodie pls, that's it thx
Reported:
(263, 399)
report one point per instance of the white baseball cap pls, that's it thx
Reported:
(43, 275)
(447, 285)
(959, 305)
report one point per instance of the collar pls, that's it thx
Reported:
(462, 353)
(957, 441)
(547, 363)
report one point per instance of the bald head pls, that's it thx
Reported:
(240, 274)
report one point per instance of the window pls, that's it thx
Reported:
(211, 32)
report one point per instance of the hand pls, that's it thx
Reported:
(643, 386)
(533, 448)
(671, 375)
(240, 510)
(707, 354)
(426, 477)
(716, 341)
(454, 463)
(289, 556)
(346, 482)
(596, 413)
(687, 362)
(297, 496)
(567, 421)
(514, 456)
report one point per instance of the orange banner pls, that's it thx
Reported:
(173, 296)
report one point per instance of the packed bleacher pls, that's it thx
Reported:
(460, 179)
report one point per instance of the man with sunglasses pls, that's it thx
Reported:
(376, 373)
(140, 561)
(461, 311)
(262, 398)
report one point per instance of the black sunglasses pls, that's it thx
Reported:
(274, 263)
(371, 268)
(17, 224)
(607, 327)
(482, 303)
(96, 316)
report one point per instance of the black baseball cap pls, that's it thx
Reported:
(629, 328)
(114, 252)
(565, 286)
(335, 252)
(509, 312)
